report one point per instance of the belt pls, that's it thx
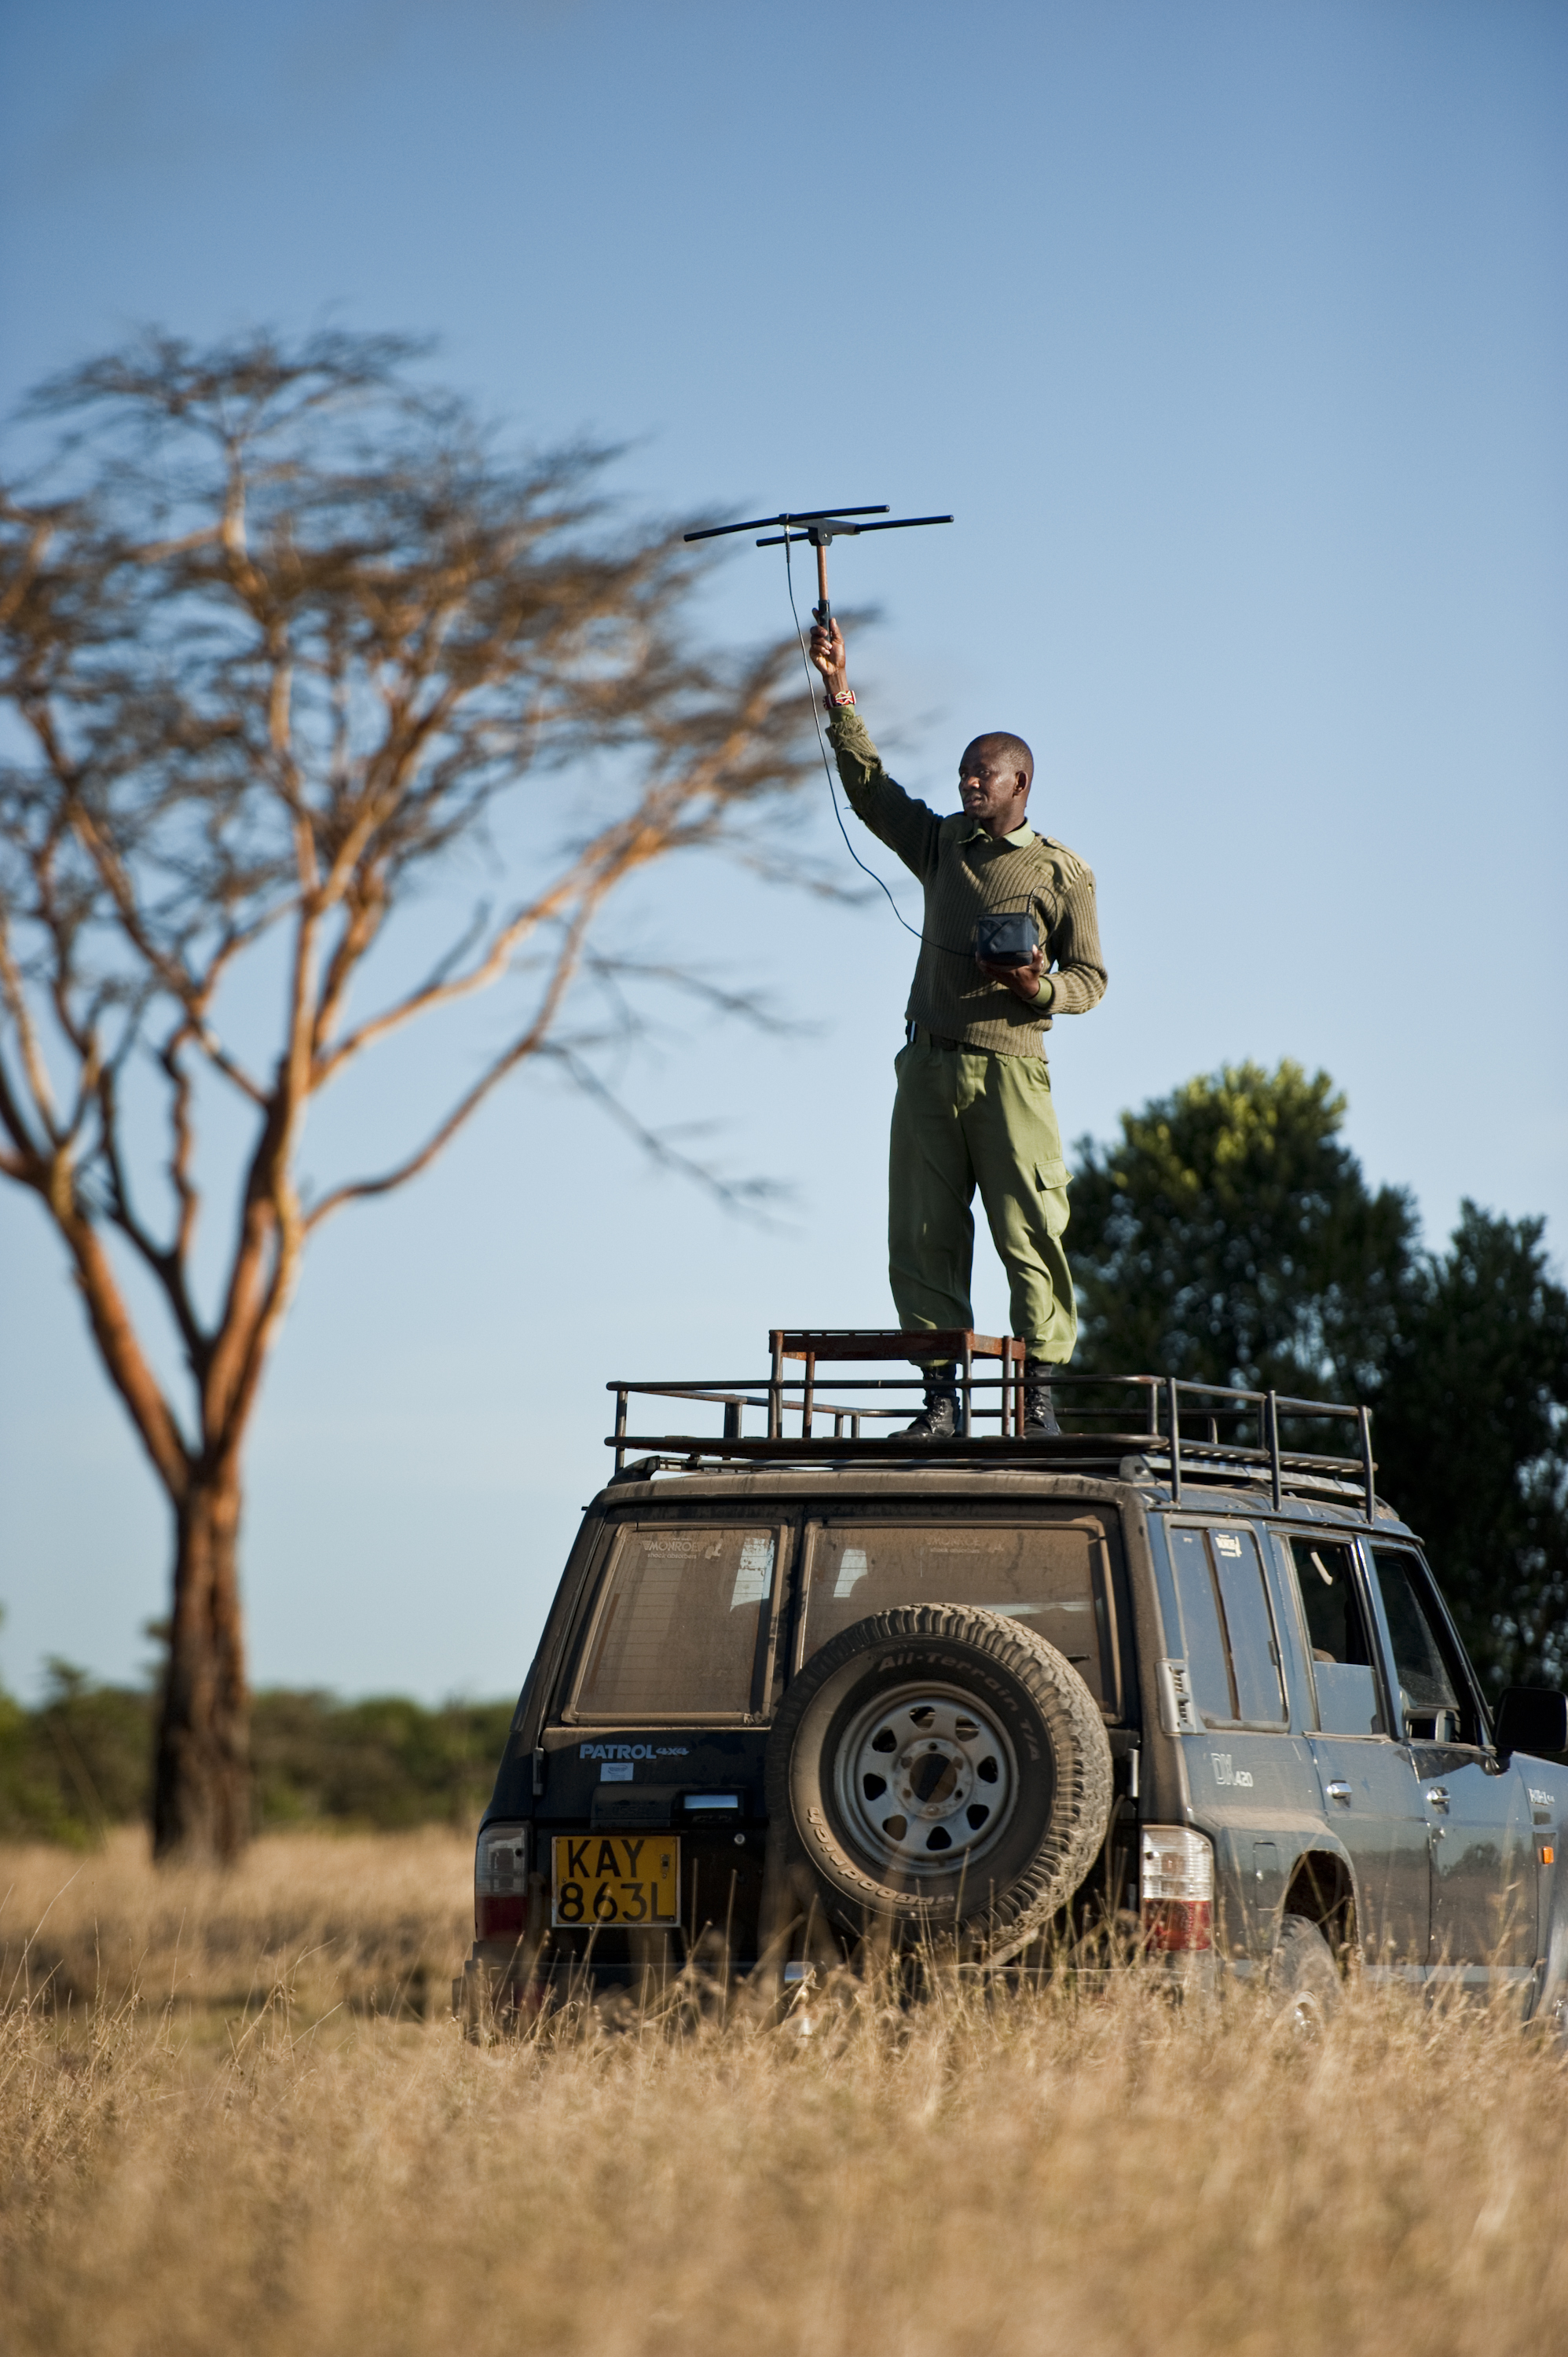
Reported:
(913, 1031)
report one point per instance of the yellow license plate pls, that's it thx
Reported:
(621, 1879)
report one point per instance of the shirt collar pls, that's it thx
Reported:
(1020, 836)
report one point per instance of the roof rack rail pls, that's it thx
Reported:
(1169, 1426)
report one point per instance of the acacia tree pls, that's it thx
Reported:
(281, 633)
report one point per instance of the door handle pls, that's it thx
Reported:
(1340, 1791)
(1437, 1798)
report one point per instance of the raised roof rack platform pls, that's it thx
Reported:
(1172, 1426)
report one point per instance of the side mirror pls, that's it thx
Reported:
(1533, 1720)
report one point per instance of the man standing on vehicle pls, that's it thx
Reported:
(973, 1104)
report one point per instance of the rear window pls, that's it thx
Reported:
(679, 1620)
(1052, 1577)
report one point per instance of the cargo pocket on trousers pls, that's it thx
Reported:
(1052, 1180)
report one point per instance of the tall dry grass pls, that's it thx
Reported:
(1058, 2172)
(366, 1919)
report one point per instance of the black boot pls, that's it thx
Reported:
(938, 1420)
(1039, 1415)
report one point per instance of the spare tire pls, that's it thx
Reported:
(941, 1770)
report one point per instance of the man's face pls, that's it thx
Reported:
(989, 789)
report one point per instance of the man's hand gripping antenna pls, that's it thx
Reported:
(822, 527)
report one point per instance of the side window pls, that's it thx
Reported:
(1254, 1649)
(1338, 1636)
(1201, 1636)
(1232, 1655)
(1435, 1700)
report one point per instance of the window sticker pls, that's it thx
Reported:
(754, 1578)
(853, 1568)
(1227, 1542)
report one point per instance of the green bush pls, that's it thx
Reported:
(387, 1762)
(82, 1761)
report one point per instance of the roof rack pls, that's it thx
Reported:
(1175, 1430)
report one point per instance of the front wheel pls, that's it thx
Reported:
(942, 1770)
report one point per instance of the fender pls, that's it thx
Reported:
(1548, 1785)
(1295, 1843)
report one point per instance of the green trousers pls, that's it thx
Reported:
(962, 1120)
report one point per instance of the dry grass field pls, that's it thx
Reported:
(374, 1923)
(246, 2126)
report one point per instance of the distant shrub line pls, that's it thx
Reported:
(80, 1762)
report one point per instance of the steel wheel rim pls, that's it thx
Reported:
(921, 1761)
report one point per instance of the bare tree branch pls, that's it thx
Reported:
(527, 1044)
(28, 1165)
(747, 1006)
(744, 1195)
(15, 999)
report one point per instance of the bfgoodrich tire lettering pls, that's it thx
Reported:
(943, 1771)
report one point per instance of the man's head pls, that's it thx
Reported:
(994, 780)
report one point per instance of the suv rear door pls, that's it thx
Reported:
(1482, 1842)
(1251, 1782)
(1371, 1793)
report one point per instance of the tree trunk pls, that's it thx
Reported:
(201, 1793)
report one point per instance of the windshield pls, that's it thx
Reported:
(1043, 1574)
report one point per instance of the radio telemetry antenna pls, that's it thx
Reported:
(822, 527)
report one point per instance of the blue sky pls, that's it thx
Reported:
(1234, 335)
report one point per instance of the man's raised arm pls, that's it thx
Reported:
(907, 826)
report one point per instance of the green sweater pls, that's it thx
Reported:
(967, 873)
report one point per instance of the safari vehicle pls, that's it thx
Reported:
(805, 1689)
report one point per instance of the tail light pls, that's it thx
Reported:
(501, 1883)
(1176, 1889)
